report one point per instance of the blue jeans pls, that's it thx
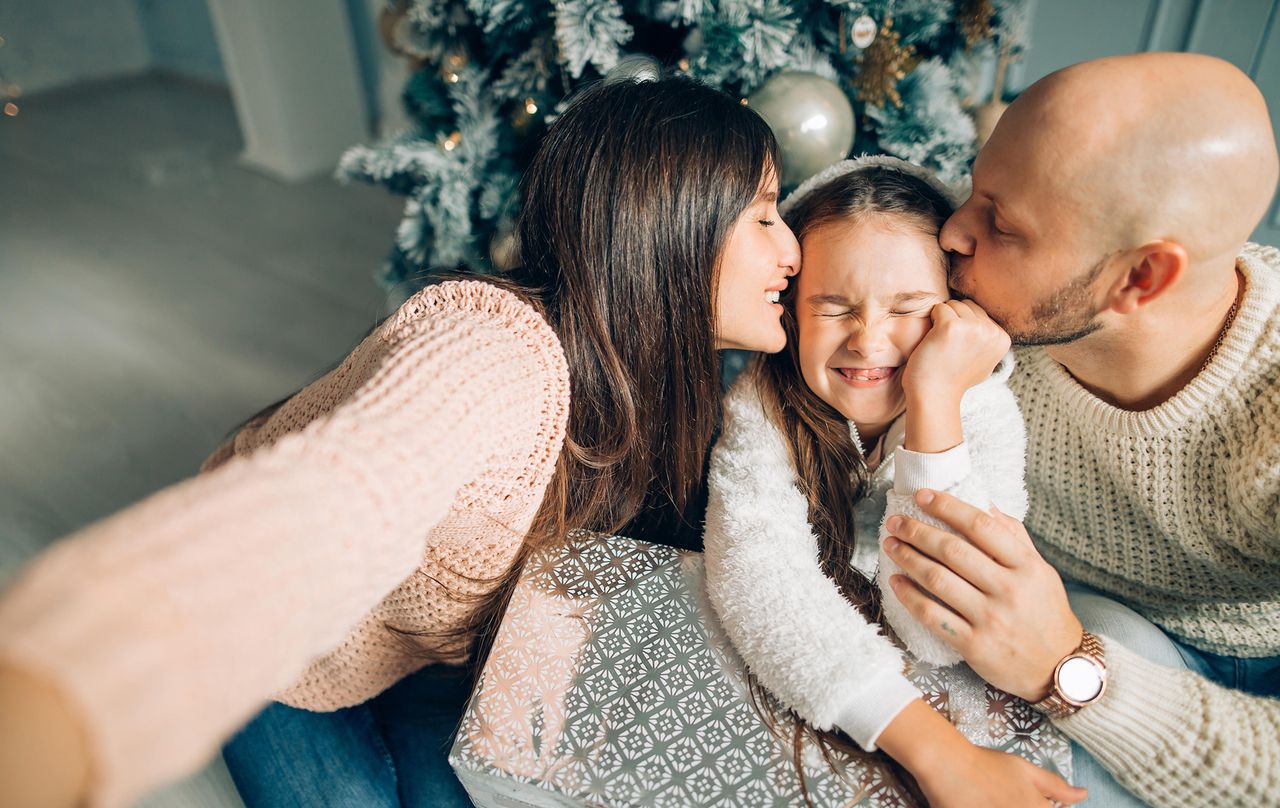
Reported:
(1101, 615)
(390, 751)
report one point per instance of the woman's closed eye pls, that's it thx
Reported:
(767, 222)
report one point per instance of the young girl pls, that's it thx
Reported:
(886, 387)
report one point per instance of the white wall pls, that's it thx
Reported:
(52, 43)
(1244, 32)
(181, 39)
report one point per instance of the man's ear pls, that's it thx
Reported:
(1151, 270)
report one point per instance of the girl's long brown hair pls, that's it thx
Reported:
(831, 471)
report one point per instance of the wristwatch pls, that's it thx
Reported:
(1078, 681)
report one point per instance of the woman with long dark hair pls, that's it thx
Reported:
(374, 522)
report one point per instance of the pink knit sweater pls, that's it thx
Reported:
(421, 459)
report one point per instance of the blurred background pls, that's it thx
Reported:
(205, 203)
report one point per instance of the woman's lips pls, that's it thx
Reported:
(865, 377)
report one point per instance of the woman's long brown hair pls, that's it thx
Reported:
(831, 471)
(627, 207)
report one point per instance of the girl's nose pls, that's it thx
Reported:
(866, 340)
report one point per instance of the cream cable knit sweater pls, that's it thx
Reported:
(1174, 511)
(785, 617)
(423, 456)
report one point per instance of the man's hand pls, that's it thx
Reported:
(1003, 607)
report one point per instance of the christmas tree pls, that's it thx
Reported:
(490, 75)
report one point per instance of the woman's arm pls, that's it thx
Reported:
(794, 630)
(165, 627)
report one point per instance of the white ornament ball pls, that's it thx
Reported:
(863, 31)
(635, 67)
(812, 119)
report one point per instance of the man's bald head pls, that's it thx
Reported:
(1172, 146)
(1150, 160)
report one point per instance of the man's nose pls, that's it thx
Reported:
(955, 235)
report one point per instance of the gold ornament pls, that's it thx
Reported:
(884, 63)
(975, 21)
(393, 26)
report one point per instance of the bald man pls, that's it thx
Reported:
(1107, 232)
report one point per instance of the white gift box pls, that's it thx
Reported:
(610, 683)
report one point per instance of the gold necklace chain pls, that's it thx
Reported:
(1231, 318)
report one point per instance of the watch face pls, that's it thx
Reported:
(1080, 679)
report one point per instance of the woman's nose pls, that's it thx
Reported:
(789, 258)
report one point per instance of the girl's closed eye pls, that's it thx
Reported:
(767, 222)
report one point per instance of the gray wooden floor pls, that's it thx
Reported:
(153, 293)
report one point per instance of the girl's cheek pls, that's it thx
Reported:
(913, 332)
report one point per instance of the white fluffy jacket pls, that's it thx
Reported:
(794, 630)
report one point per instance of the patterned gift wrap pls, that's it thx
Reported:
(611, 683)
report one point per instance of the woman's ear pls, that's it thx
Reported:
(1151, 270)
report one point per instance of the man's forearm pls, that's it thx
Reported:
(1175, 738)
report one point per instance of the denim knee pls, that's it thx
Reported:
(1102, 615)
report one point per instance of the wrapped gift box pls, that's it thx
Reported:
(610, 683)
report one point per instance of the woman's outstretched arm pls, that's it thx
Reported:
(158, 631)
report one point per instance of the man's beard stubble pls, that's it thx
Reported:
(1064, 316)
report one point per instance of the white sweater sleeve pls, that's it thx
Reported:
(787, 620)
(987, 469)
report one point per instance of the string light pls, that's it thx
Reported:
(453, 63)
(451, 142)
(683, 64)
(530, 107)
(9, 91)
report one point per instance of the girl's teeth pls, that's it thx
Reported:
(772, 297)
(867, 374)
